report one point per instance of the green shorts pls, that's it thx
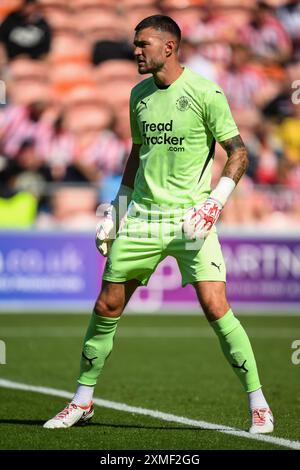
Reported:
(141, 245)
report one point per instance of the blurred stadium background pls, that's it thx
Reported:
(66, 71)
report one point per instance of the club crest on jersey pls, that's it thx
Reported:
(183, 103)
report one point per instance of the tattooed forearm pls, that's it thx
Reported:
(233, 144)
(237, 158)
(236, 165)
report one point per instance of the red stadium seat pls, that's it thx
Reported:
(116, 70)
(83, 94)
(7, 6)
(97, 24)
(25, 68)
(86, 4)
(88, 117)
(69, 47)
(64, 77)
(26, 91)
(60, 17)
(75, 207)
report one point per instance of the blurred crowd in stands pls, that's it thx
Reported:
(66, 71)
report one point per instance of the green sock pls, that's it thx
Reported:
(237, 349)
(97, 346)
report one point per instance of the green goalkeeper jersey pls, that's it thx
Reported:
(177, 128)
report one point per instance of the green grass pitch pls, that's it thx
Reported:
(167, 363)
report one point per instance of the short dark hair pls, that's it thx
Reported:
(160, 23)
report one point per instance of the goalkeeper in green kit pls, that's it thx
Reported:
(165, 207)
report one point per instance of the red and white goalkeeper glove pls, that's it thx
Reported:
(199, 220)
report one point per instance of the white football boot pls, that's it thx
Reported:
(262, 421)
(71, 415)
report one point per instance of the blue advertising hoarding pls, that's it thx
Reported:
(48, 270)
(61, 271)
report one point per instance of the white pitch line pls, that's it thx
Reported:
(156, 414)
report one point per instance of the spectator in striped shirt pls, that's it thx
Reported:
(241, 80)
(266, 36)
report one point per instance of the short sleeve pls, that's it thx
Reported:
(218, 116)
(135, 131)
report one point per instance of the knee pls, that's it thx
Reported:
(108, 308)
(214, 307)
